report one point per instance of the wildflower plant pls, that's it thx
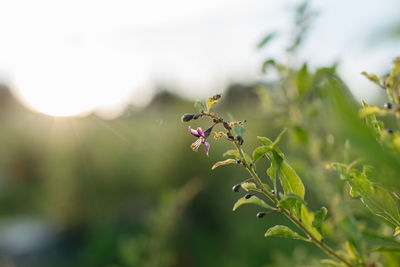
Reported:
(282, 193)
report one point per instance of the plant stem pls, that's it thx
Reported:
(292, 218)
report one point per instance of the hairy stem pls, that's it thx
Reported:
(295, 220)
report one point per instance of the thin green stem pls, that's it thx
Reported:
(295, 220)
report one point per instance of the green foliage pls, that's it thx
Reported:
(283, 231)
(224, 162)
(266, 40)
(200, 106)
(376, 198)
(253, 200)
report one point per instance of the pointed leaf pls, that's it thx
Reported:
(373, 78)
(278, 139)
(289, 179)
(319, 217)
(260, 151)
(264, 140)
(225, 162)
(200, 106)
(283, 231)
(307, 217)
(266, 40)
(253, 200)
(234, 153)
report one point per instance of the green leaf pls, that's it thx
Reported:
(307, 217)
(278, 139)
(237, 129)
(259, 152)
(290, 181)
(266, 40)
(283, 231)
(319, 217)
(303, 81)
(249, 186)
(371, 110)
(396, 231)
(376, 198)
(272, 170)
(234, 153)
(373, 78)
(200, 106)
(264, 140)
(386, 249)
(225, 162)
(330, 262)
(268, 63)
(253, 200)
(292, 202)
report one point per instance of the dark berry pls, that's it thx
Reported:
(239, 161)
(230, 137)
(187, 117)
(247, 196)
(236, 188)
(240, 140)
(388, 105)
(261, 214)
(390, 131)
(226, 126)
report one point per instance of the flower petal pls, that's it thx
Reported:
(200, 132)
(207, 147)
(194, 132)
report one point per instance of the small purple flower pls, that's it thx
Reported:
(202, 138)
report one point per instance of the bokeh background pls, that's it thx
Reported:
(95, 165)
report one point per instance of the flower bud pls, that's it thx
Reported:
(226, 126)
(390, 131)
(240, 140)
(260, 215)
(187, 117)
(196, 116)
(230, 137)
(216, 97)
(239, 161)
(247, 196)
(388, 105)
(236, 188)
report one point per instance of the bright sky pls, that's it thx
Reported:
(72, 57)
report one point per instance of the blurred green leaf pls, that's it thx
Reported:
(199, 105)
(330, 262)
(283, 231)
(253, 200)
(396, 231)
(303, 81)
(266, 40)
(371, 110)
(373, 78)
(224, 162)
(382, 249)
(376, 198)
